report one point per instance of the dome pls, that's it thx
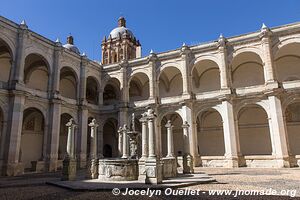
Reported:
(120, 30)
(72, 47)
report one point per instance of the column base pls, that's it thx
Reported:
(188, 164)
(13, 169)
(92, 169)
(283, 162)
(142, 169)
(169, 167)
(69, 170)
(153, 168)
(232, 162)
(197, 161)
(51, 165)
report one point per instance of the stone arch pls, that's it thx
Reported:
(170, 82)
(210, 133)
(287, 62)
(206, 76)
(138, 87)
(292, 121)
(111, 92)
(254, 131)
(6, 60)
(9, 43)
(247, 69)
(92, 90)
(283, 42)
(38, 106)
(32, 137)
(68, 85)
(177, 122)
(110, 138)
(167, 65)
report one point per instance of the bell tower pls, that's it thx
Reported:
(121, 44)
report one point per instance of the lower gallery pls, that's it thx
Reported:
(236, 99)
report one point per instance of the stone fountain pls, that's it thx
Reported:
(126, 167)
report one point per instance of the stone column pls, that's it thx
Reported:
(69, 163)
(120, 141)
(278, 132)
(142, 170)
(187, 158)
(230, 135)
(82, 136)
(93, 159)
(152, 141)
(153, 165)
(169, 127)
(188, 116)
(125, 142)
(143, 120)
(12, 166)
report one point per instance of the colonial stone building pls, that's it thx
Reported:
(239, 97)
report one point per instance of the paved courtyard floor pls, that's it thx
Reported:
(33, 186)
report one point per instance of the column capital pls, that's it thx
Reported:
(185, 124)
(143, 118)
(169, 124)
(71, 123)
(93, 123)
(150, 114)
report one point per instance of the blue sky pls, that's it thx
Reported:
(160, 25)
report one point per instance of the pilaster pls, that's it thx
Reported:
(53, 135)
(230, 135)
(265, 36)
(278, 132)
(13, 165)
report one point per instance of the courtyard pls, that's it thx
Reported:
(34, 186)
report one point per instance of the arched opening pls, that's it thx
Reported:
(36, 73)
(63, 135)
(177, 122)
(139, 87)
(5, 61)
(292, 118)
(170, 82)
(92, 90)
(210, 133)
(206, 76)
(254, 131)
(110, 138)
(68, 83)
(32, 137)
(247, 70)
(111, 93)
(287, 63)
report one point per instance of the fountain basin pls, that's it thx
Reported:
(118, 169)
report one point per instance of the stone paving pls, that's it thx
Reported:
(33, 186)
